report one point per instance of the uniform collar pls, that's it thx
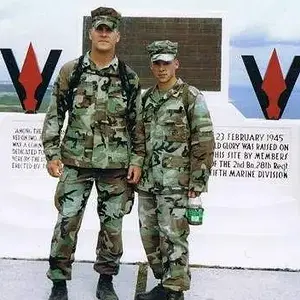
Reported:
(174, 91)
(87, 62)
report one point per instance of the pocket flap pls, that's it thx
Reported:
(173, 162)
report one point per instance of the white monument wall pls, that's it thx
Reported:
(251, 209)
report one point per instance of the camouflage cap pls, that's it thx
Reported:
(105, 16)
(162, 50)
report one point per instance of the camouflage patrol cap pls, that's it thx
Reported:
(162, 50)
(106, 16)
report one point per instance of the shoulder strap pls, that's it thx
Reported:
(146, 96)
(124, 79)
(127, 88)
(74, 81)
(185, 100)
(185, 96)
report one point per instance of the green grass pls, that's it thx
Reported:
(11, 103)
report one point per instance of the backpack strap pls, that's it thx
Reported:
(125, 83)
(145, 97)
(185, 97)
(79, 70)
(74, 82)
(124, 79)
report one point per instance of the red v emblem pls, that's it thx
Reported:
(30, 84)
(273, 85)
(30, 78)
(273, 91)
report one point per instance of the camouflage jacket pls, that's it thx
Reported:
(179, 140)
(97, 132)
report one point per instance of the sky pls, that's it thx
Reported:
(57, 24)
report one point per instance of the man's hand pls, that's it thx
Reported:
(193, 194)
(54, 167)
(134, 174)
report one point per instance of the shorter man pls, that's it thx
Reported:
(179, 156)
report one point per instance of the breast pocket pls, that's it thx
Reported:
(117, 101)
(175, 124)
(84, 96)
(176, 132)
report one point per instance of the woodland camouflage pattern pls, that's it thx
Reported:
(107, 16)
(164, 232)
(115, 199)
(96, 136)
(179, 156)
(162, 50)
(179, 141)
(100, 142)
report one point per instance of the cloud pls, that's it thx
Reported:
(11, 8)
(46, 26)
(57, 24)
(257, 37)
(262, 54)
(254, 37)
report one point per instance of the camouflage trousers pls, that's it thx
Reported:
(164, 231)
(115, 199)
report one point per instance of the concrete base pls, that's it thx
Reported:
(22, 279)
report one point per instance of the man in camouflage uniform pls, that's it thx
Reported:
(179, 155)
(104, 143)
